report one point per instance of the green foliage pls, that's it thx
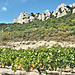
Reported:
(73, 21)
(33, 59)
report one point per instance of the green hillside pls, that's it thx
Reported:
(59, 29)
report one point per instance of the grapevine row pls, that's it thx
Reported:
(30, 59)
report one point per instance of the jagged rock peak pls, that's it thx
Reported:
(61, 10)
(26, 18)
(61, 5)
(73, 10)
(47, 13)
(22, 18)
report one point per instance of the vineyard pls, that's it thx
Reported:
(46, 58)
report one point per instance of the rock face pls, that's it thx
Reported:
(26, 18)
(45, 15)
(61, 11)
(23, 18)
(73, 11)
(73, 6)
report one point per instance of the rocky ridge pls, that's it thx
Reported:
(26, 18)
(61, 10)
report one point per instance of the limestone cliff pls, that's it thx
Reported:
(61, 10)
(26, 18)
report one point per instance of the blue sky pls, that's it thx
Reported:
(10, 9)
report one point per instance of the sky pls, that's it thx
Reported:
(10, 9)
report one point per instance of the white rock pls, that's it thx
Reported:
(73, 4)
(31, 18)
(18, 72)
(43, 17)
(23, 18)
(39, 17)
(33, 73)
(61, 11)
(73, 11)
(70, 5)
(26, 21)
(47, 13)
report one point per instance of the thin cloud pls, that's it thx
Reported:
(4, 9)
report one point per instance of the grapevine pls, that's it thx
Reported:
(45, 58)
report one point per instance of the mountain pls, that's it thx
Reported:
(39, 27)
(26, 18)
(61, 10)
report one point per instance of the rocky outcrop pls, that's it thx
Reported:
(73, 4)
(73, 7)
(23, 18)
(45, 15)
(73, 11)
(26, 18)
(61, 11)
